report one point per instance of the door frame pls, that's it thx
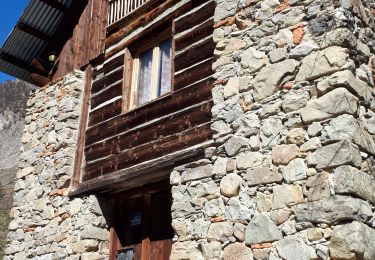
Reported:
(145, 193)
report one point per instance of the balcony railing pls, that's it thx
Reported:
(118, 9)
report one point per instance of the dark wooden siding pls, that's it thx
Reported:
(86, 42)
(116, 141)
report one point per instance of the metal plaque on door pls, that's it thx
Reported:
(126, 255)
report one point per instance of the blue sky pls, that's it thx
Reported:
(10, 12)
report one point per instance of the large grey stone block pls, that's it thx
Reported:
(262, 229)
(343, 152)
(336, 102)
(350, 180)
(292, 248)
(262, 175)
(321, 63)
(347, 127)
(333, 210)
(347, 80)
(352, 241)
(264, 85)
(286, 195)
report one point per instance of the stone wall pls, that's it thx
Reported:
(46, 224)
(292, 172)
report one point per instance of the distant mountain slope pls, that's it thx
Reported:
(13, 99)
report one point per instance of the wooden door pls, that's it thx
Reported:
(142, 227)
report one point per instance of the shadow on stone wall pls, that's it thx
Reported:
(13, 102)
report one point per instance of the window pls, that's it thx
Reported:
(148, 70)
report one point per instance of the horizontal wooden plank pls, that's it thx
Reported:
(189, 96)
(109, 66)
(194, 54)
(107, 80)
(193, 35)
(151, 132)
(146, 19)
(195, 17)
(159, 148)
(108, 94)
(146, 7)
(140, 174)
(195, 73)
(106, 112)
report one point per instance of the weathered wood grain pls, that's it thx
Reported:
(179, 100)
(195, 17)
(106, 112)
(190, 36)
(149, 132)
(118, 140)
(155, 26)
(86, 41)
(107, 80)
(107, 94)
(195, 73)
(150, 151)
(192, 55)
(139, 21)
(82, 128)
(108, 67)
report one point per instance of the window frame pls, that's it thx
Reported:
(131, 68)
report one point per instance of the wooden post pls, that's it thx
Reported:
(146, 227)
(82, 128)
(127, 81)
(114, 244)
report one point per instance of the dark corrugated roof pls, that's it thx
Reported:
(29, 38)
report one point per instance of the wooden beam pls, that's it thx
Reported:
(38, 80)
(82, 129)
(41, 65)
(56, 5)
(114, 244)
(22, 64)
(146, 243)
(136, 176)
(125, 33)
(34, 32)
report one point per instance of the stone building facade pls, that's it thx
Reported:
(291, 175)
(46, 223)
(291, 172)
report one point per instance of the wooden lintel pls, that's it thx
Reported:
(56, 5)
(41, 65)
(124, 33)
(34, 32)
(140, 174)
(22, 64)
(38, 80)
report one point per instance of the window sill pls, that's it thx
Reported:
(149, 103)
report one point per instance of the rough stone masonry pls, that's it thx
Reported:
(292, 172)
(46, 223)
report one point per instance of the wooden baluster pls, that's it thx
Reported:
(118, 17)
(112, 12)
(118, 9)
(122, 8)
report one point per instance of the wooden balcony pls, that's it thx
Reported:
(118, 9)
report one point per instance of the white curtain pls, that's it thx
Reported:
(144, 83)
(165, 67)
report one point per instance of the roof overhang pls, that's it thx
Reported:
(25, 51)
